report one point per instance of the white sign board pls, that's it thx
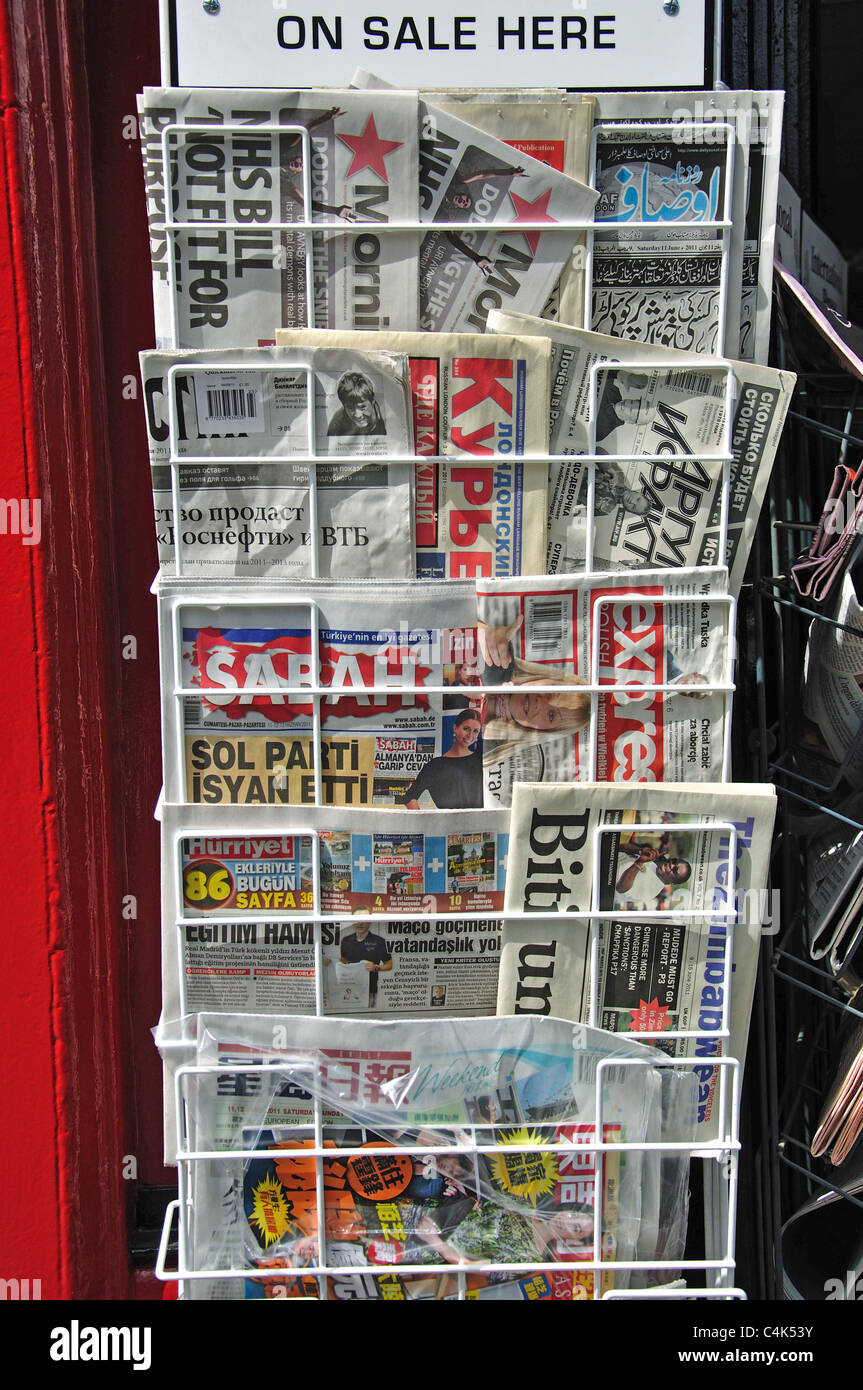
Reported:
(825, 269)
(788, 214)
(587, 44)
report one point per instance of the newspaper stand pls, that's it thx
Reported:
(719, 1156)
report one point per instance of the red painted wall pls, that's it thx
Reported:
(81, 756)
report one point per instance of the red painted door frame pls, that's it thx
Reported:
(81, 761)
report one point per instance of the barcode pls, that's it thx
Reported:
(231, 403)
(545, 636)
(696, 383)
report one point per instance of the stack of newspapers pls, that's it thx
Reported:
(459, 431)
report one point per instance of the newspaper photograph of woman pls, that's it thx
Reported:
(452, 782)
(525, 711)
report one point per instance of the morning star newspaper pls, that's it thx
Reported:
(663, 286)
(480, 419)
(662, 512)
(245, 507)
(665, 973)
(239, 896)
(466, 175)
(227, 741)
(623, 630)
(427, 1096)
(236, 282)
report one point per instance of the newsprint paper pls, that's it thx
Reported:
(663, 512)
(239, 888)
(466, 175)
(230, 742)
(661, 628)
(236, 285)
(254, 518)
(479, 402)
(478, 1133)
(657, 974)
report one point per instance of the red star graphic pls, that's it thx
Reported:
(537, 211)
(369, 150)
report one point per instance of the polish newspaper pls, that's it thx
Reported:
(480, 421)
(566, 659)
(411, 906)
(469, 176)
(670, 403)
(690, 891)
(243, 417)
(391, 732)
(241, 274)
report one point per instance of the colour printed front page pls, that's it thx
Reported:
(613, 849)
(520, 1221)
(411, 904)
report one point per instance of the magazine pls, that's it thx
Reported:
(228, 741)
(669, 403)
(235, 283)
(239, 516)
(404, 1106)
(411, 906)
(468, 176)
(669, 971)
(667, 628)
(476, 398)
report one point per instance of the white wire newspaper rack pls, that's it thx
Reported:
(175, 227)
(193, 596)
(719, 1155)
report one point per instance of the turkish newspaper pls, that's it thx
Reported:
(226, 742)
(466, 175)
(478, 410)
(237, 889)
(237, 278)
(577, 849)
(239, 516)
(462, 1150)
(664, 285)
(661, 512)
(621, 630)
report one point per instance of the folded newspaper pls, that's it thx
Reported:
(669, 403)
(242, 418)
(346, 158)
(577, 849)
(583, 633)
(244, 732)
(457, 1158)
(664, 286)
(546, 125)
(833, 681)
(468, 176)
(479, 398)
(239, 889)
